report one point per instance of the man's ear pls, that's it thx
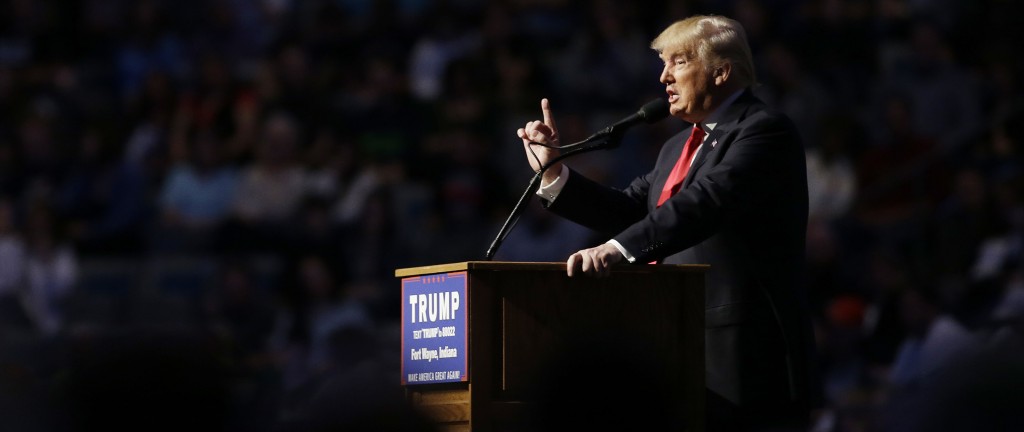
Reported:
(722, 73)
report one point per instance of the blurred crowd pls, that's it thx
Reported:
(221, 190)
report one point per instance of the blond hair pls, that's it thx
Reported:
(713, 40)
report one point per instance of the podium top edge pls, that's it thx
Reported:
(539, 266)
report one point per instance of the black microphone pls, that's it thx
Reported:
(651, 112)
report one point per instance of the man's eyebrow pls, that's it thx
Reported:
(672, 55)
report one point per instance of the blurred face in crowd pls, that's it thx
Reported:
(207, 151)
(279, 136)
(688, 85)
(316, 278)
(6, 217)
(918, 314)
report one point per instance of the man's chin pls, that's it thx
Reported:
(680, 113)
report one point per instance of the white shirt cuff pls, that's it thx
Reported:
(622, 250)
(550, 191)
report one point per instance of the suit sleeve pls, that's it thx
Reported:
(609, 210)
(756, 166)
(601, 208)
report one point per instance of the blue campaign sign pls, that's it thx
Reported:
(434, 328)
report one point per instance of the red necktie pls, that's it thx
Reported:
(675, 180)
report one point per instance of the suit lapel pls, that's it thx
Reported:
(710, 145)
(730, 118)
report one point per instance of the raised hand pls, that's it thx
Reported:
(543, 132)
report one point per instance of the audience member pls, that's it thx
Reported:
(51, 269)
(197, 196)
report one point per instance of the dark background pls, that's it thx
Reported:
(202, 202)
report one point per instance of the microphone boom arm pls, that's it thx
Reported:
(609, 137)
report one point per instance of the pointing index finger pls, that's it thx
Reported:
(545, 107)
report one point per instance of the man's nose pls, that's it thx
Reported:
(665, 77)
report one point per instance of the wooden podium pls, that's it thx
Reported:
(542, 348)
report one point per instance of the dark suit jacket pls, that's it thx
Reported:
(743, 210)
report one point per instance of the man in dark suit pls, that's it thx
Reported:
(731, 192)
